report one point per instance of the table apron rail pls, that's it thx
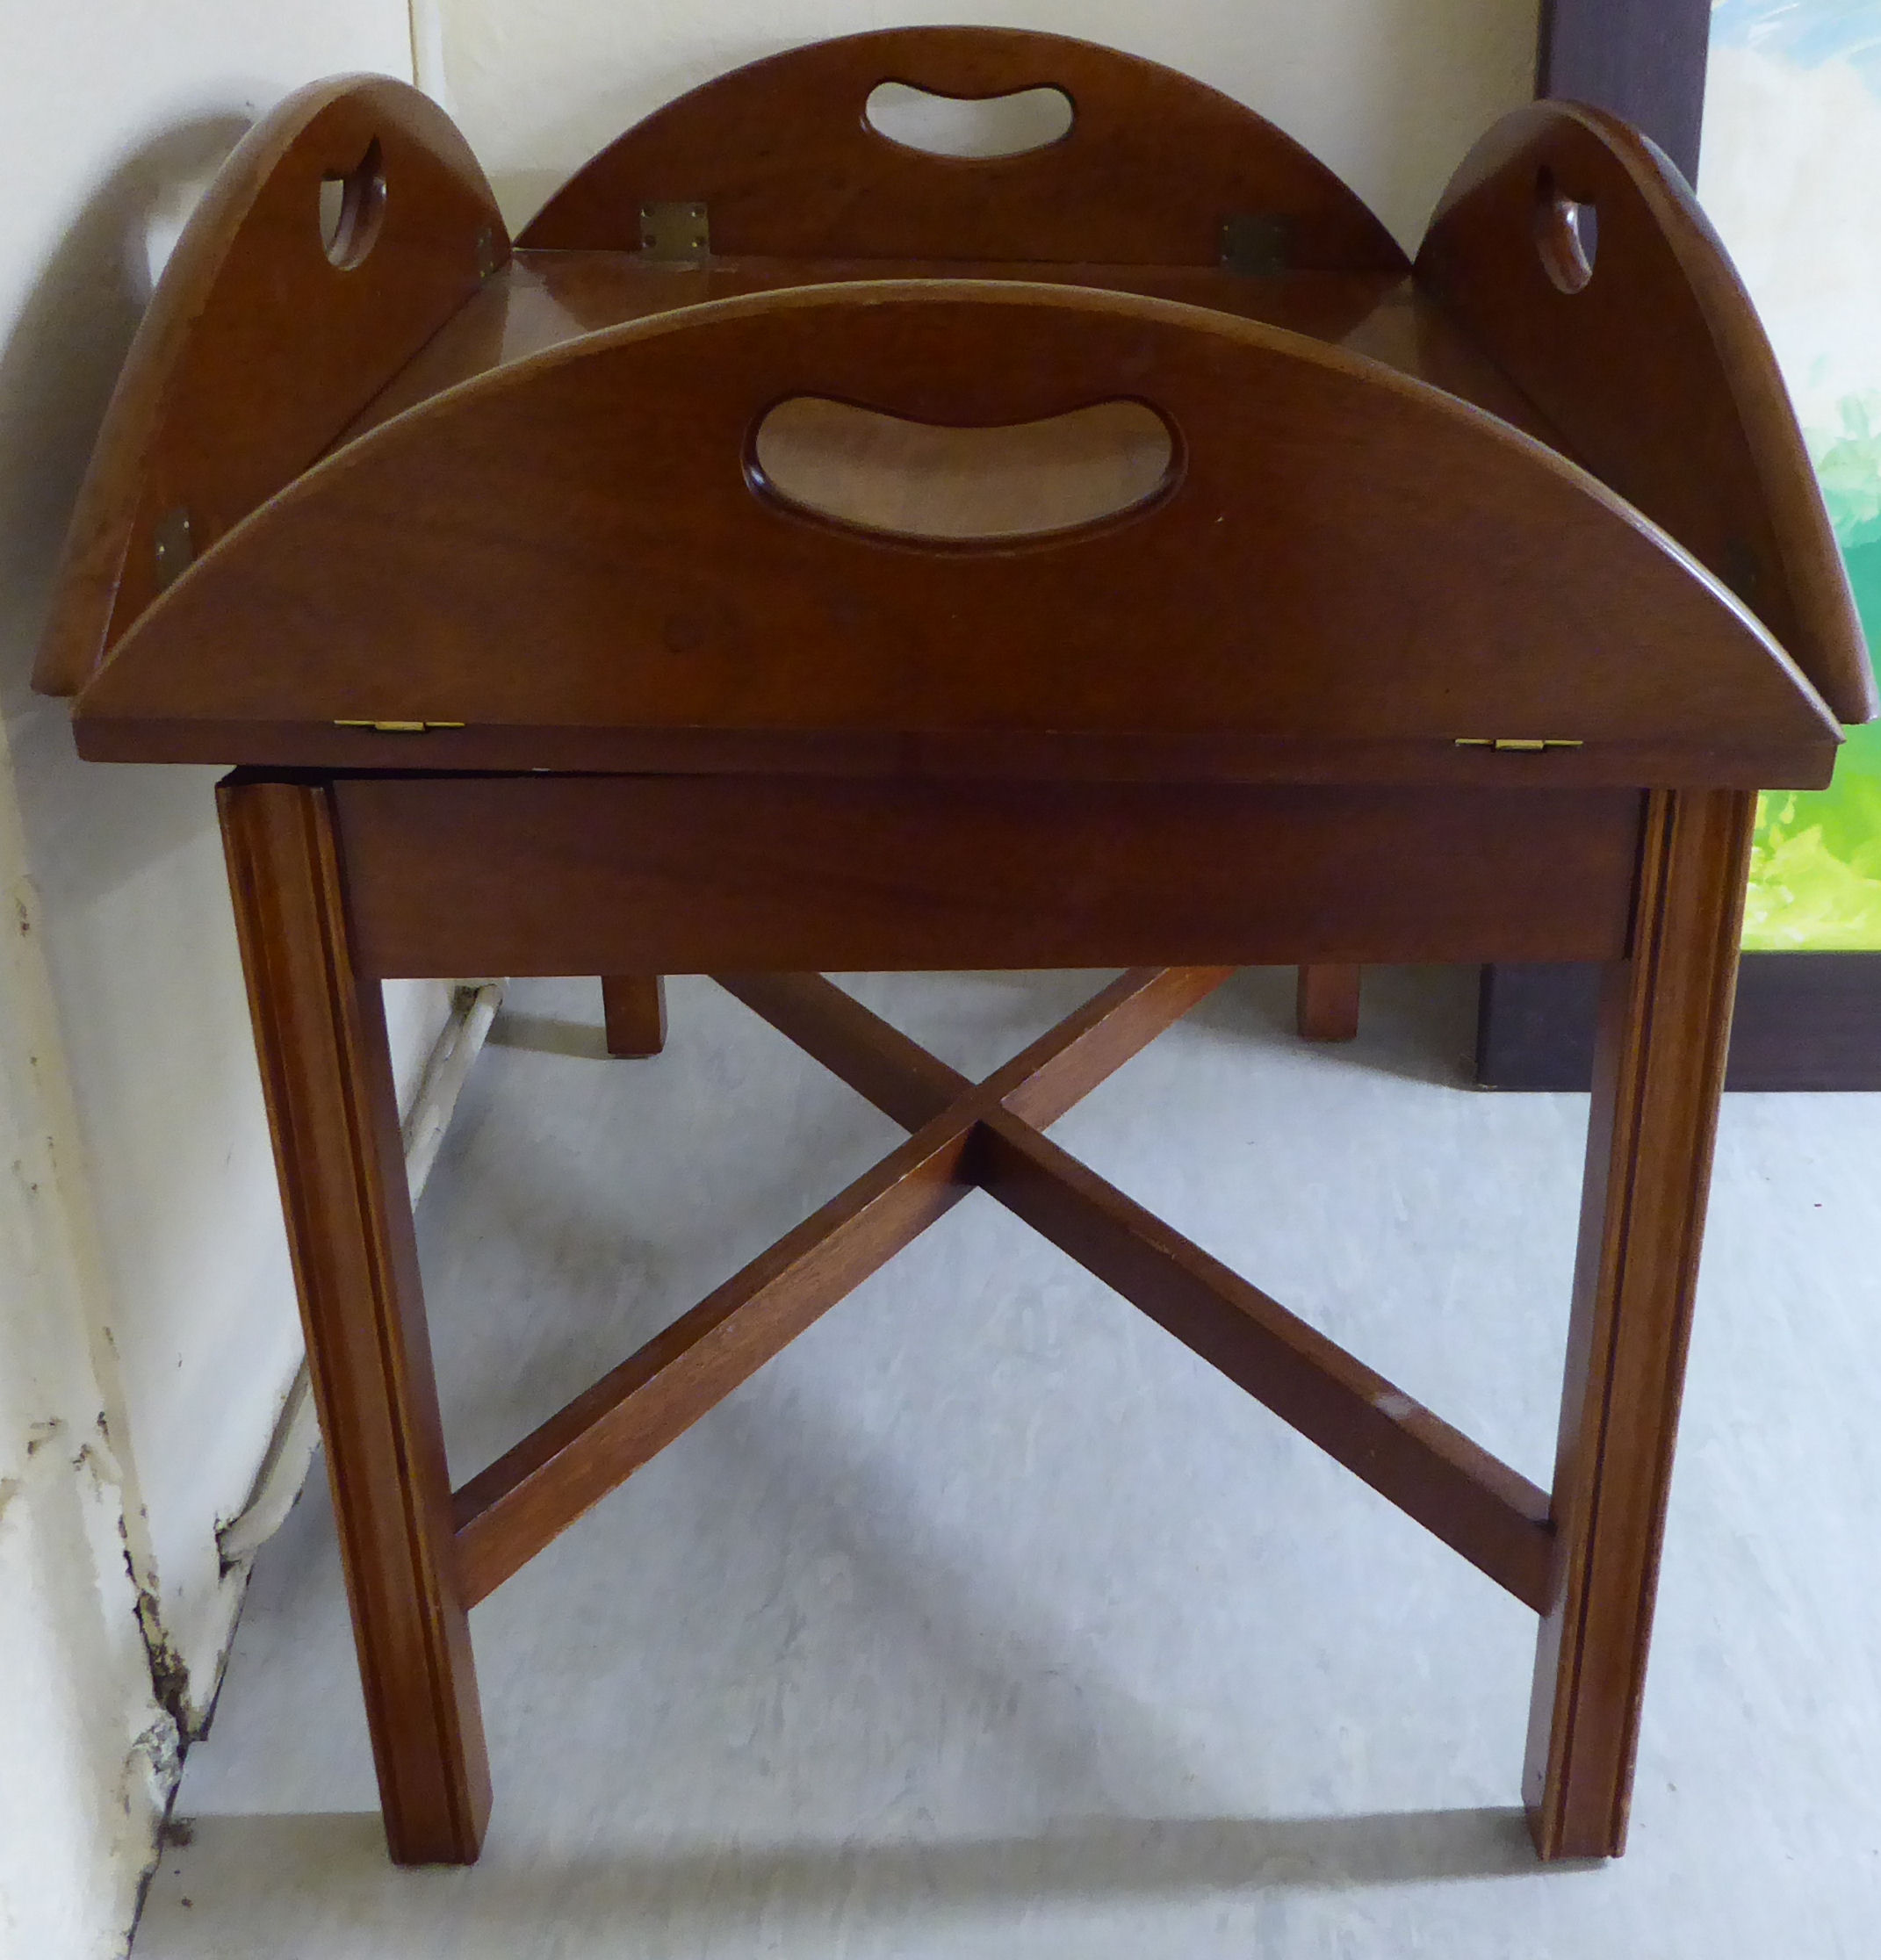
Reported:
(448, 875)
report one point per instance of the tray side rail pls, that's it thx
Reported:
(1572, 251)
(1156, 168)
(345, 228)
(548, 548)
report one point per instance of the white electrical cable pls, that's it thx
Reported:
(290, 1453)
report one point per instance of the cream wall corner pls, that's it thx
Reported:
(90, 1751)
(147, 1324)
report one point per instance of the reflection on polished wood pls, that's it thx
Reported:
(809, 553)
(543, 299)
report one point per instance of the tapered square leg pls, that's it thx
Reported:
(320, 1033)
(1326, 1002)
(635, 1006)
(1664, 1029)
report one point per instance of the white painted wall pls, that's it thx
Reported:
(1390, 93)
(147, 1322)
(87, 1749)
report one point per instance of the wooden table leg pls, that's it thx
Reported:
(1326, 1002)
(635, 1005)
(1664, 1028)
(321, 1033)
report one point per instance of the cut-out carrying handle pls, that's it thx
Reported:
(346, 227)
(970, 127)
(1574, 255)
(1343, 556)
(989, 485)
(783, 156)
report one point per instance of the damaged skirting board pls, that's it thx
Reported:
(291, 1450)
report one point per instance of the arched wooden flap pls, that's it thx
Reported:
(1152, 168)
(1330, 556)
(345, 229)
(1571, 249)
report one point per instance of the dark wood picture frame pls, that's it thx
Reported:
(1804, 1021)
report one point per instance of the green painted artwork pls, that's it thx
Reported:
(1792, 138)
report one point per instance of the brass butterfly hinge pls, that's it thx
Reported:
(398, 727)
(1256, 244)
(676, 234)
(1516, 744)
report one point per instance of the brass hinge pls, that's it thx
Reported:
(173, 547)
(1517, 744)
(398, 727)
(1256, 244)
(676, 234)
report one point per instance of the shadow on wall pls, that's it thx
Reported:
(127, 864)
(58, 369)
(522, 193)
(56, 375)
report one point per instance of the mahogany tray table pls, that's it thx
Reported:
(574, 606)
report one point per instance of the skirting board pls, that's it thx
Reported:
(1804, 1021)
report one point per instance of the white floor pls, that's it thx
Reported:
(987, 1620)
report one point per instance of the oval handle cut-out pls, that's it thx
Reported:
(1567, 235)
(969, 125)
(352, 203)
(987, 486)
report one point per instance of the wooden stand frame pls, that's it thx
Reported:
(1665, 1027)
(1421, 638)
(319, 1029)
(418, 1556)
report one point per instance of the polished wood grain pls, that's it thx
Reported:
(985, 1134)
(634, 1014)
(780, 154)
(605, 489)
(543, 299)
(320, 1033)
(1656, 373)
(1088, 1046)
(1666, 1020)
(1326, 1002)
(966, 755)
(1496, 1519)
(510, 1510)
(1045, 1078)
(880, 1063)
(486, 569)
(704, 874)
(533, 1492)
(258, 350)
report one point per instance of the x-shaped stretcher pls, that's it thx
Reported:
(989, 1135)
(676, 590)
